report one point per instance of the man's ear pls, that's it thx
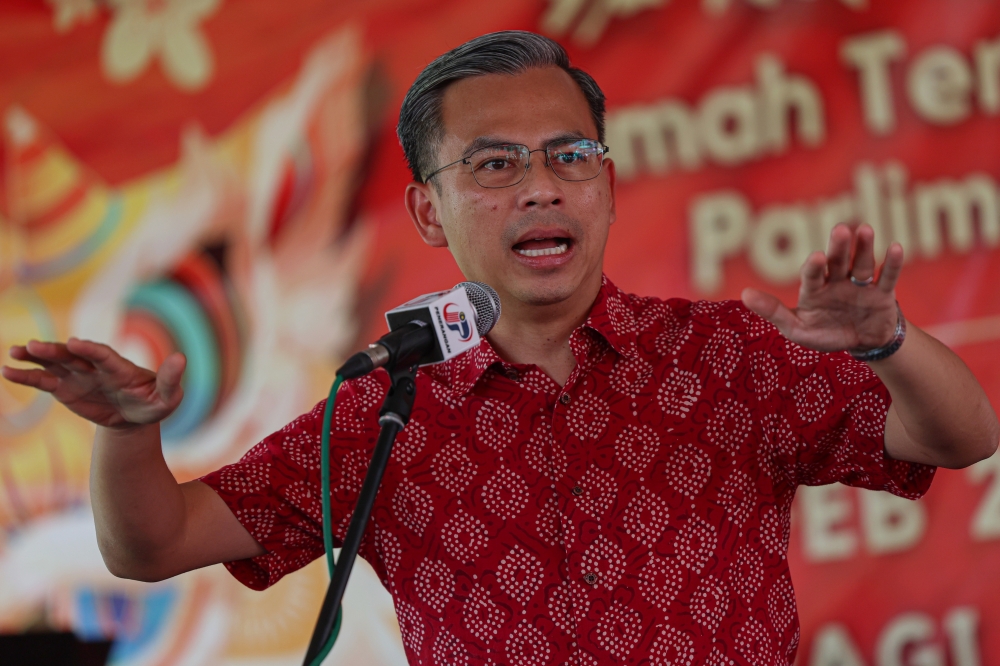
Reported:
(609, 166)
(420, 204)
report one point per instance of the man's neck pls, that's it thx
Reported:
(539, 335)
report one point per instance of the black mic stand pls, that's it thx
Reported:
(393, 417)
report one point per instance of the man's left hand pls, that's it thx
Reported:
(834, 313)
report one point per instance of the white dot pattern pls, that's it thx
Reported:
(781, 604)
(410, 625)
(552, 525)
(496, 425)
(754, 643)
(661, 580)
(520, 575)
(766, 376)
(696, 543)
(636, 446)
(409, 443)
(527, 646)
(722, 353)
(646, 517)
(748, 573)
(353, 471)
(452, 468)
(632, 515)
(599, 492)
(588, 417)
(729, 426)
(710, 603)
(679, 393)
(568, 604)
(619, 629)
(505, 494)
(688, 470)
(812, 398)
(435, 583)
(630, 376)
(413, 506)
(606, 559)
(464, 536)
(737, 497)
(671, 648)
(543, 455)
(449, 650)
(482, 616)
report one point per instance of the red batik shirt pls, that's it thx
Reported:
(640, 513)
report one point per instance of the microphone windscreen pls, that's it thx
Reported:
(486, 303)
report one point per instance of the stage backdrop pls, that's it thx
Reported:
(223, 178)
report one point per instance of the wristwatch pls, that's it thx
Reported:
(888, 350)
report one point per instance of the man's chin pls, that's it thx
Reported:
(541, 294)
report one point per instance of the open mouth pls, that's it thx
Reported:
(542, 247)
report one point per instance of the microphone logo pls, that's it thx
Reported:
(456, 321)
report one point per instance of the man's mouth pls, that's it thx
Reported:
(542, 247)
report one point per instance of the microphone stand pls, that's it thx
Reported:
(393, 417)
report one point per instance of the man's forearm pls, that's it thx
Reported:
(139, 509)
(940, 415)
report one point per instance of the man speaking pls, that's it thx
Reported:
(604, 479)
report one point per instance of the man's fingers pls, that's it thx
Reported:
(863, 266)
(891, 269)
(813, 272)
(839, 252)
(168, 376)
(21, 353)
(770, 308)
(39, 379)
(50, 353)
(99, 355)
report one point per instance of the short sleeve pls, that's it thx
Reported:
(274, 490)
(823, 417)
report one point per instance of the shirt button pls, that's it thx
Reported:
(577, 490)
(564, 398)
(512, 374)
(590, 578)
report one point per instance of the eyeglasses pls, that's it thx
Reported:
(505, 164)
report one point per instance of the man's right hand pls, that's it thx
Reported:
(95, 382)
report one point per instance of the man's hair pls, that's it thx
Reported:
(420, 127)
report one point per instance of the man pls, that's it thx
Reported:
(606, 479)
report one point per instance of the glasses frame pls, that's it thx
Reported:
(527, 163)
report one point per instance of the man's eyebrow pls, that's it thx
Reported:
(487, 141)
(484, 142)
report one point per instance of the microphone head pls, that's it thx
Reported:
(486, 303)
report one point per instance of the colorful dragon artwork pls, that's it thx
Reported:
(243, 256)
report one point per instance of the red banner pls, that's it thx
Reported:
(245, 153)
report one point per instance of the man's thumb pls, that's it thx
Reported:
(168, 376)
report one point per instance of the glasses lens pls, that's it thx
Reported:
(576, 160)
(499, 166)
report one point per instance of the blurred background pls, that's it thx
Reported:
(223, 178)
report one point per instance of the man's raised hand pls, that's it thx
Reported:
(92, 380)
(834, 313)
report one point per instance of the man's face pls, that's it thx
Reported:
(495, 235)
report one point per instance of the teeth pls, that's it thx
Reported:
(558, 249)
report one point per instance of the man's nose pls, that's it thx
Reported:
(541, 186)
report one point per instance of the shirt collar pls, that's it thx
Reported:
(610, 317)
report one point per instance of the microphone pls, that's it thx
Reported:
(430, 329)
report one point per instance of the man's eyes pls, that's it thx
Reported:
(569, 158)
(496, 164)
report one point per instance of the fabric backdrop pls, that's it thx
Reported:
(223, 178)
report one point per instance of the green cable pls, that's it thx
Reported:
(324, 467)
